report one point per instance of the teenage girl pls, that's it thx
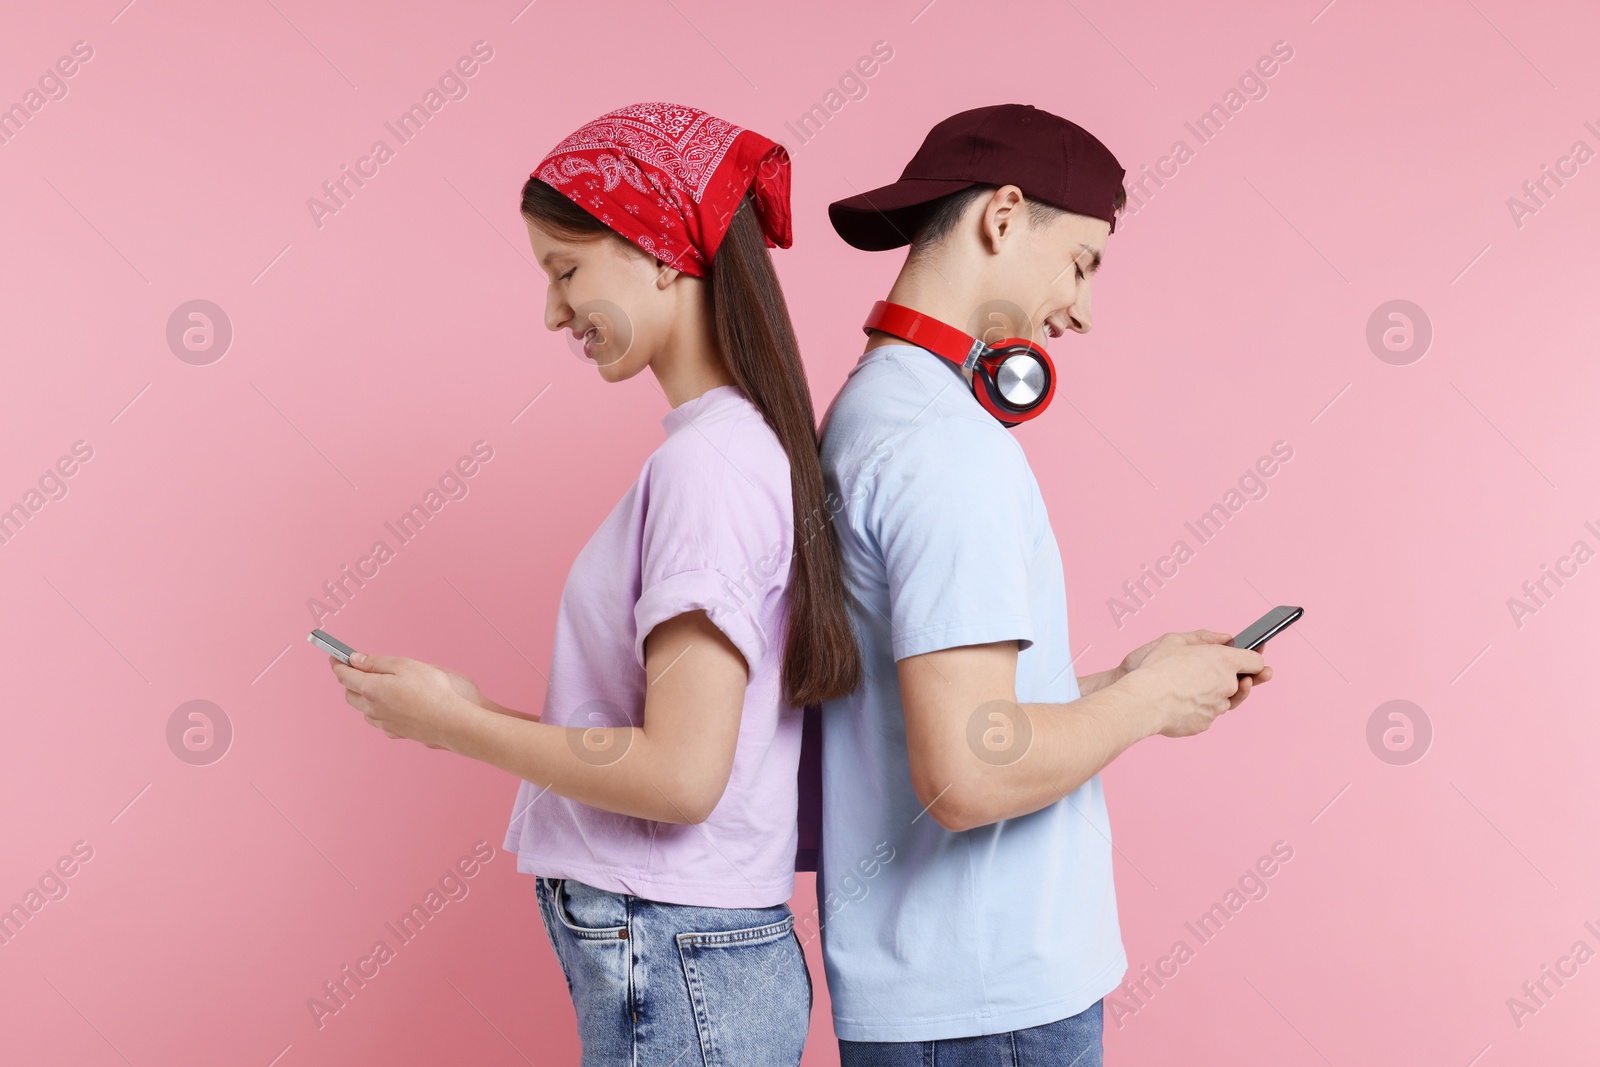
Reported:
(658, 803)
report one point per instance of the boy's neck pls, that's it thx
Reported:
(939, 289)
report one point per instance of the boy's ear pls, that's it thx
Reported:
(1015, 202)
(1004, 204)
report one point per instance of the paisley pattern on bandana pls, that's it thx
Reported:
(668, 177)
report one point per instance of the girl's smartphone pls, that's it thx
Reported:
(331, 645)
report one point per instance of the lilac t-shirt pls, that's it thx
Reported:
(708, 525)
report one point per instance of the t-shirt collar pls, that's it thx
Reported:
(679, 417)
(926, 357)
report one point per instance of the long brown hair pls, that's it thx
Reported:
(757, 342)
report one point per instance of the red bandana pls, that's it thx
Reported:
(669, 177)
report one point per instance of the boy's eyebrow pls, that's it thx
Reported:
(1094, 266)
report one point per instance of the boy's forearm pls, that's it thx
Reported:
(1067, 745)
(1093, 683)
(1079, 739)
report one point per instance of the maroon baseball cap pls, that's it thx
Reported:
(1044, 155)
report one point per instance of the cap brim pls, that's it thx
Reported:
(888, 217)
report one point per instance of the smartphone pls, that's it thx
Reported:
(1267, 627)
(335, 647)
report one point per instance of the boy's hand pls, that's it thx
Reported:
(1193, 677)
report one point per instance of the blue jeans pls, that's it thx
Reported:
(1070, 1042)
(659, 984)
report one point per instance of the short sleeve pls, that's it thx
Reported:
(718, 538)
(953, 516)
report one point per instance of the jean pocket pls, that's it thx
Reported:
(751, 994)
(589, 914)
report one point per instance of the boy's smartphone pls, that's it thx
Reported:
(1265, 628)
(331, 645)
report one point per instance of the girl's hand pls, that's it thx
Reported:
(404, 697)
(470, 692)
(464, 686)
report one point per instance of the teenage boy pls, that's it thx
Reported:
(965, 835)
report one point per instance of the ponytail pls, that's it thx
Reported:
(821, 661)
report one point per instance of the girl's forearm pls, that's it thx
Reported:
(612, 768)
(501, 709)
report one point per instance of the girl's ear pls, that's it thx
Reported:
(665, 274)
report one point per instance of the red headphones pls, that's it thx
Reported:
(1013, 380)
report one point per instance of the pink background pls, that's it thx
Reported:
(370, 353)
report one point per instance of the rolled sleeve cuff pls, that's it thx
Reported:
(732, 611)
(977, 631)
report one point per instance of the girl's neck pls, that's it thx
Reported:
(691, 362)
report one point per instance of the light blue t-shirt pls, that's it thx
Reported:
(929, 933)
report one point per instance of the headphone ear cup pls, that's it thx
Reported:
(989, 394)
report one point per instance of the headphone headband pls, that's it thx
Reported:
(900, 321)
(1015, 359)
